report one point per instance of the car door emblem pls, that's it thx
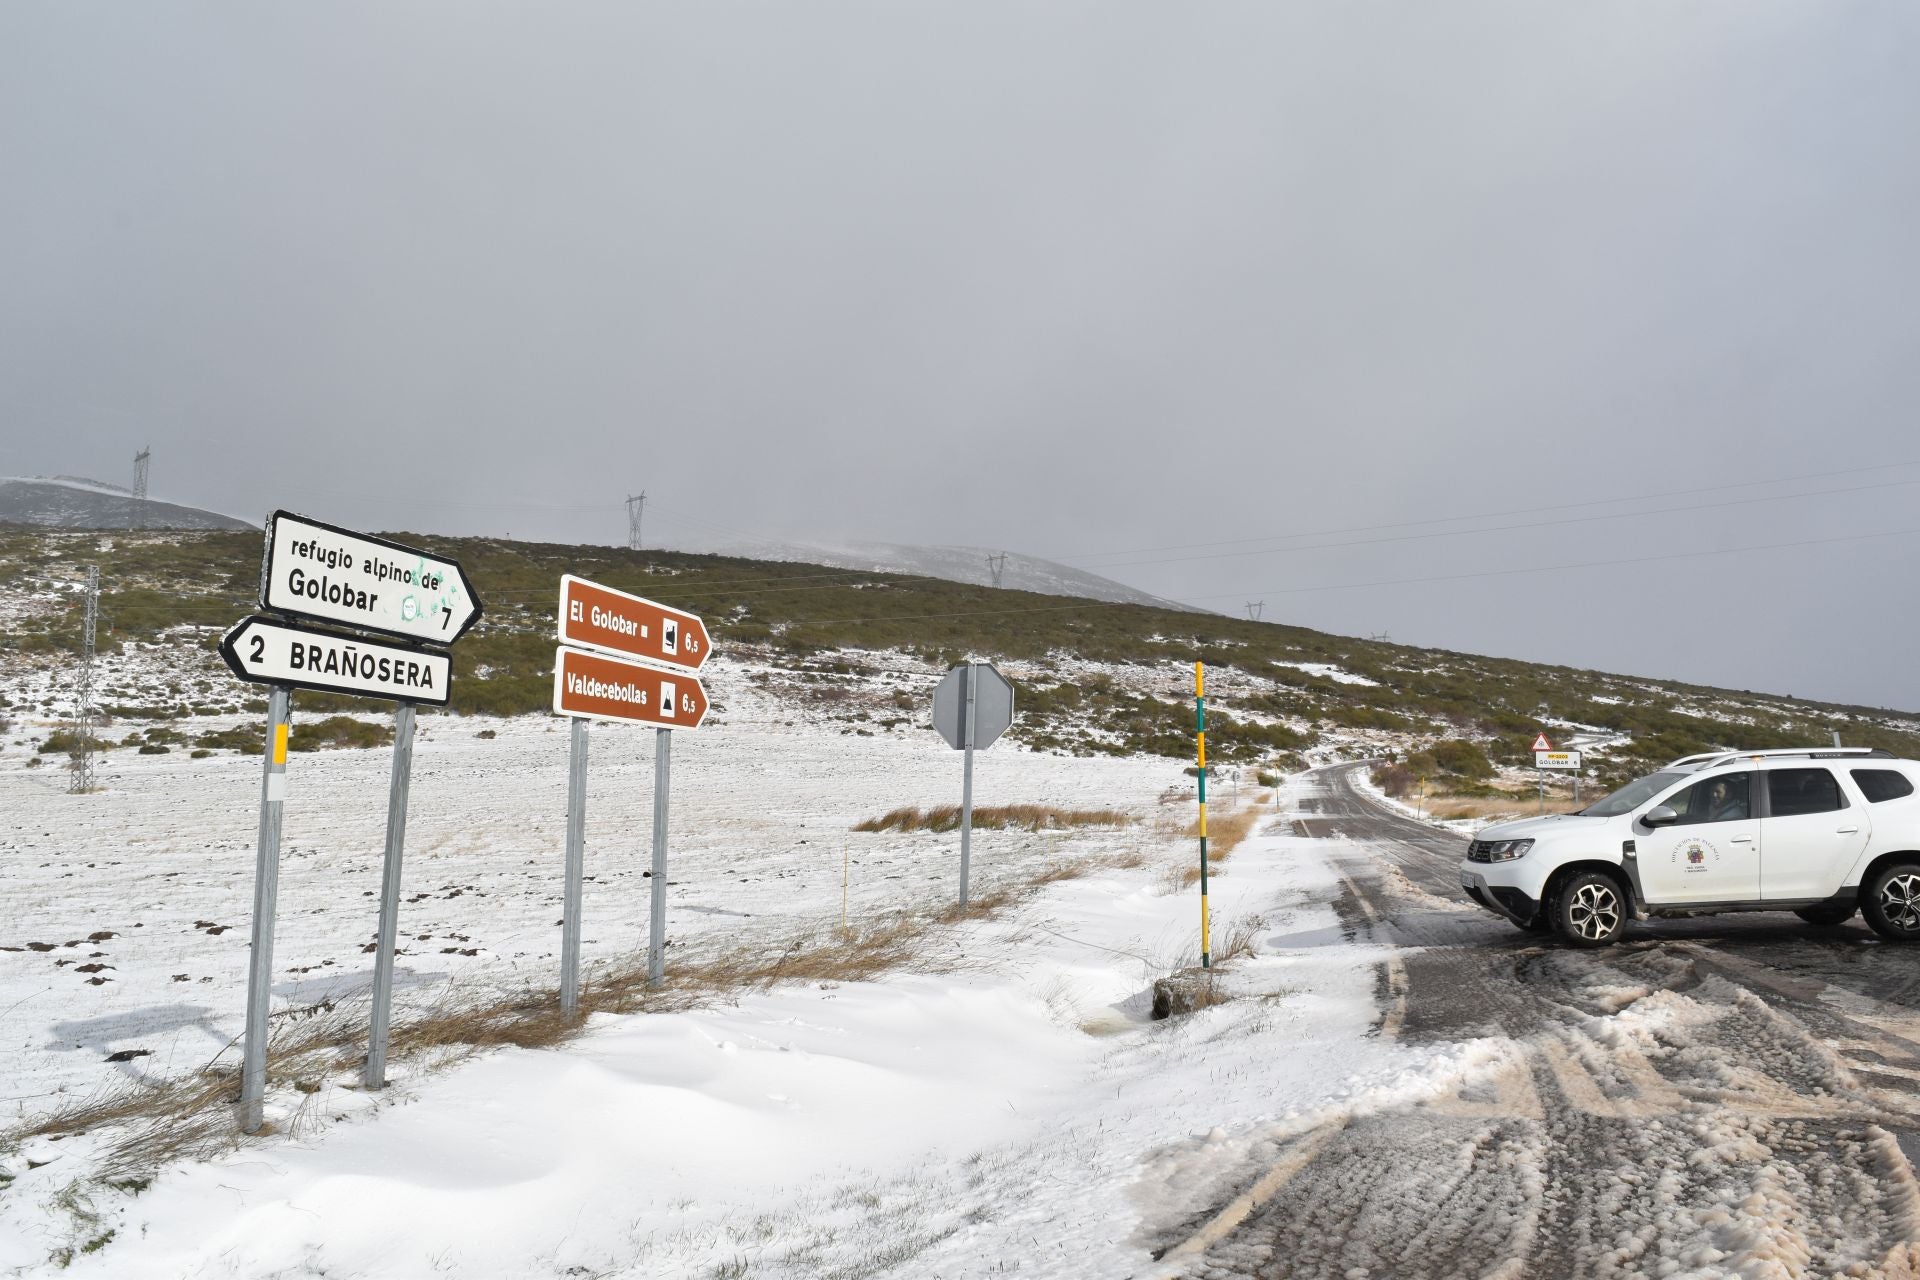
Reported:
(1696, 853)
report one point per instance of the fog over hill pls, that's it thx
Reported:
(70, 502)
(948, 563)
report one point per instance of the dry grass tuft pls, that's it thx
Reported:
(1225, 833)
(1022, 817)
(1238, 939)
(1496, 808)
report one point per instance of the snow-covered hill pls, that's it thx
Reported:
(948, 563)
(69, 502)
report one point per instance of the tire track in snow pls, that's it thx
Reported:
(1662, 1108)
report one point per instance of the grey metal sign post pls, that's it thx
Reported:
(326, 574)
(969, 729)
(266, 890)
(972, 707)
(657, 920)
(376, 1073)
(602, 679)
(576, 868)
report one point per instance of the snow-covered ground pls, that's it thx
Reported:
(128, 910)
(1018, 1113)
(1328, 671)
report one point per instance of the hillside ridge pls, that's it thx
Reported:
(861, 648)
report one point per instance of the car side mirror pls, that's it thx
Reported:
(1661, 815)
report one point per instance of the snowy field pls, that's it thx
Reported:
(1022, 1116)
(128, 912)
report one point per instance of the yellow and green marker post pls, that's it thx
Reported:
(1200, 736)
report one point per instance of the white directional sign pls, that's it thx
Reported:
(269, 652)
(329, 574)
(1556, 759)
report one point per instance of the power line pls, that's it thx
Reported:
(1690, 509)
(1396, 582)
(1498, 515)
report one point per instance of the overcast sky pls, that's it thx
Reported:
(1081, 280)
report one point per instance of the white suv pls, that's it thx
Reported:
(1820, 832)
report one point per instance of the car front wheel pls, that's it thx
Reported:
(1591, 910)
(1891, 903)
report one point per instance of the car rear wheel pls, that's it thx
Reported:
(1826, 917)
(1591, 910)
(1891, 903)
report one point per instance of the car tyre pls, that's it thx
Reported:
(1591, 910)
(1891, 903)
(1826, 917)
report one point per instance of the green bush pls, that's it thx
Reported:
(65, 742)
(247, 741)
(1461, 758)
(338, 731)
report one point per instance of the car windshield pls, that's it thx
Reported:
(1633, 795)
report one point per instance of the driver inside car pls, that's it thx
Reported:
(1725, 805)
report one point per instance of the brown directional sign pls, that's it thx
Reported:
(614, 622)
(593, 684)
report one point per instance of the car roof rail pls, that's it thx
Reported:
(1711, 759)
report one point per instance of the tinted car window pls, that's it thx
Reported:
(1796, 791)
(1632, 796)
(1727, 799)
(1879, 785)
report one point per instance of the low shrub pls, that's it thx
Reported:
(1461, 758)
(338, 731)
(1024, 817)
(1397, 780)
(248, 742)
(65, 742)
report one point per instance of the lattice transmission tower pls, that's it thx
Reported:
(1255, 608)
(84, 717)
(140, 463)
(636, 507)
(997, 566)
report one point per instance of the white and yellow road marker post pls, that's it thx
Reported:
(1200, 739)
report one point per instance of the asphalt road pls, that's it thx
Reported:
(1730, 1095)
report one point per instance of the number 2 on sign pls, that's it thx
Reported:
(259, 647)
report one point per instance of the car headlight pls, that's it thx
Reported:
(1508, 850)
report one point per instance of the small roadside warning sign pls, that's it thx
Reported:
(1541, 743)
